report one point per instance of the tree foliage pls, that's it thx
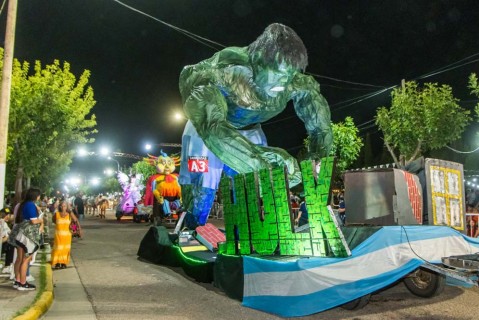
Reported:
(50, 113)
(474, 86)
(346, 143)
(420, 119)
(112, 185)
(145, 169)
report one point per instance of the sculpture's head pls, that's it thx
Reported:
(276, 56)
(164, 164)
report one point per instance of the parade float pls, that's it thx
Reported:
(260, 257)
(270, 265)
(130, 202)
(163, 192)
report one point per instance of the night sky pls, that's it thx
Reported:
(135, 61)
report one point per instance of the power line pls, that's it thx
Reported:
(344, 88)
(447, 67)
(350, 82)
(3, 5)
(202, 40)
(187, 33)
(353, 101)
(463, 152)
(362, 98)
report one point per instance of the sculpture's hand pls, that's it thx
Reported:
(279, 157)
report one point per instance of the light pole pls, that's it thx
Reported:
(163, 144)
(117, 163)
(6, 84)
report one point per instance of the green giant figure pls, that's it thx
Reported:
(228, 96)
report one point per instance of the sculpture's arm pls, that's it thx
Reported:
(313, 109)
(206, 108)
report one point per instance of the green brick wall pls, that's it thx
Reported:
(264, 228)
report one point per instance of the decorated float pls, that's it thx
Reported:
(260, 257)
(130, 202)
(163, 192)
(269, 265)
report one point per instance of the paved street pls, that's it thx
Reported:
(120, 286)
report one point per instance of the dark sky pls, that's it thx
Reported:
(135, 61)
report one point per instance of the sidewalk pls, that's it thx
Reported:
(13, 300)
(70, 300)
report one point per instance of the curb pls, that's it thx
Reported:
(44, 301)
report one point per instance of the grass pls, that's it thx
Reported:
(42, 281)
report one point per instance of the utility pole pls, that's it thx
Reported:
(5, 93)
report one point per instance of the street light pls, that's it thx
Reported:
(178, 116)
(95, 181)
(104, 151)
(117, 163)
(162, 144)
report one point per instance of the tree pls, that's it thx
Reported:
(346, 143)
(420, 120)
(112, 185)
(474, 86)
(50, 112)
(145, 169)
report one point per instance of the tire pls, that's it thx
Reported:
(357, 304)
(425, 283)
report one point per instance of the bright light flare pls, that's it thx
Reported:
(178, 116)
(104, 151)
(82, 152)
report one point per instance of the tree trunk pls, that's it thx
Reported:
(391, 151)
(19, 184)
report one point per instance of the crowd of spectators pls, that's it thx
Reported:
(35, 221)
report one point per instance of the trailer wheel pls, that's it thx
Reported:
(357, 304)
(425, 283)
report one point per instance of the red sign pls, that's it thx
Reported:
(198, 164)
(414, 196)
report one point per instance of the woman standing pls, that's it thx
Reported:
(27, 240)
(63, 236)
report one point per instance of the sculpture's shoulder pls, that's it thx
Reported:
(222, 59)
(211, 69)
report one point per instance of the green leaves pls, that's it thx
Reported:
(421, 119)
(50, 113)
(474, 86)
(346, 143)
(145, 169)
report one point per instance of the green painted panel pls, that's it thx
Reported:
(262, 212)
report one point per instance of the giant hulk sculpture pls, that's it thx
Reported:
(228, 96)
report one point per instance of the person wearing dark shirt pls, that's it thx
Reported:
(27, 240)
(302, 218)
(79, 206)
(342, 209)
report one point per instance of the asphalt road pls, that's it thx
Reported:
(120, 286)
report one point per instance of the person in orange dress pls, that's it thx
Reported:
(63, 236)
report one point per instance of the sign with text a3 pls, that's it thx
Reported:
(198, 164)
